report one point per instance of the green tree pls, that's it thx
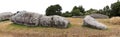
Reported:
(67, 14)
(81, 9)
(101, 11)
(54, 10)
(74, 8)
(106, 10)
(115, 8)
(91, 11)
(76, 12)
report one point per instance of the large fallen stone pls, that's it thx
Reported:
(33, 19)
(91, 22)
(54, 21)
(45, 21)
(60, 22)
(99, 16)
(26, 18)
(5, 16)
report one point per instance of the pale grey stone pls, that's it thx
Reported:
(34, 19)
(26, 18)
(89, 21)
(45, 21)
(54, 21)
(99, 16)
(5, 15)
(60, 22)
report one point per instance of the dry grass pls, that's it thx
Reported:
(7, 29)
(115, 20)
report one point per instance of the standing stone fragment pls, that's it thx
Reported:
(89, 21)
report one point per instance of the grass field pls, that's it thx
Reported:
(8, 29)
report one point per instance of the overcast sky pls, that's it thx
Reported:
(39, 6)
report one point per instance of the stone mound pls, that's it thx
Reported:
(91, 22)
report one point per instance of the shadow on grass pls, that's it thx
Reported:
(88, 26)
(23, 26)
(4, 20)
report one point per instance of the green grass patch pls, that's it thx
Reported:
(4, 20)
(69, 25)
(23, 26)
(14, 25)
(89, 26)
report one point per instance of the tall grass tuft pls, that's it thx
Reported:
(115, 20)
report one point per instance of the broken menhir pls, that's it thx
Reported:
(54, 21)
(60, 22)
(26, 18)
(91, 22)
(34, 19)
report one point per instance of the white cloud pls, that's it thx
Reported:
(40, 6)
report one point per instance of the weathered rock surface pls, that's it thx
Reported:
(91, 22)
(5, 15)
(26, 18)
(99, 16)
(33, 19)
(45, 21)
(60, 22)
(54, 21)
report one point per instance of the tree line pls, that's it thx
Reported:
(113, 10)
